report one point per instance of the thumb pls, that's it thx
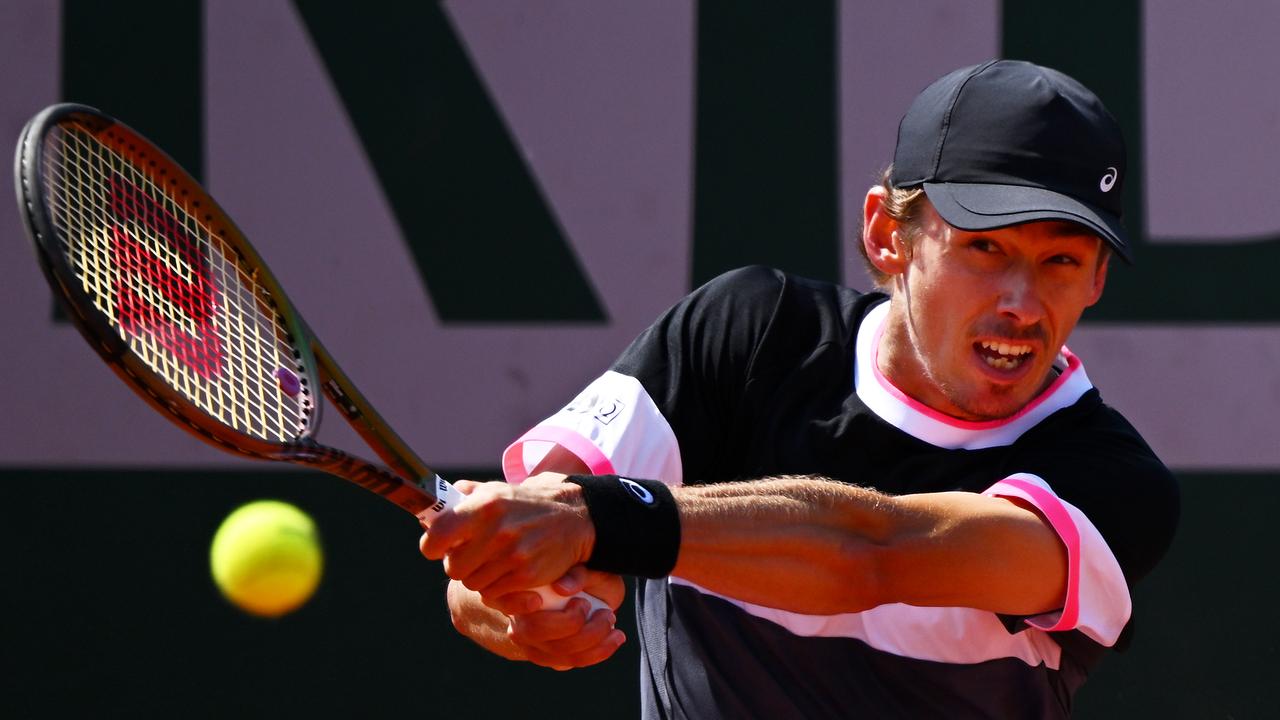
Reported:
(466, 487)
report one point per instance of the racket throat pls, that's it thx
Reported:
(424, 497)
(342, 401)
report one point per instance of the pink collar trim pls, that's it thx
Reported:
(917, 419)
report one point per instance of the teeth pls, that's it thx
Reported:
(1007, 349)
(1003, 363)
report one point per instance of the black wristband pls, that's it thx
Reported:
(637, 525)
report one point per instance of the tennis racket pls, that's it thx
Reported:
(177, 302)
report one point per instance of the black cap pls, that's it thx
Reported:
(1008, 142)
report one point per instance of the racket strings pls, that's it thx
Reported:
(172, 286)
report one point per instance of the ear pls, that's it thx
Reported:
(882, 236)
(1100, 279)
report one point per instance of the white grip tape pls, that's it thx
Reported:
(447, 496)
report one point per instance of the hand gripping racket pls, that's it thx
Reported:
(177, 302)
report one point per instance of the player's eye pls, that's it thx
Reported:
(984, 245)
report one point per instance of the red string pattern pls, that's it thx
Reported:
(151, 298)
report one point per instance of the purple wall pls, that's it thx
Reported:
(599, 97)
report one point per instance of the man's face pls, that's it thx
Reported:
(979, 316)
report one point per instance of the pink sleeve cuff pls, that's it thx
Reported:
(1031, 489)
(513, 461)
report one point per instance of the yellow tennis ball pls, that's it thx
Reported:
(266, 558)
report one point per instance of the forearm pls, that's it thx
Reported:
(817, 546)
(804, 544)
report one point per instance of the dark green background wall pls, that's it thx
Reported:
(108, 610)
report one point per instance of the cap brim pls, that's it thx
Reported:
(986, 207)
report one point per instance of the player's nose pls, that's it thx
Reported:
(1018, 297)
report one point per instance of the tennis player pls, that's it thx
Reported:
(906, 503)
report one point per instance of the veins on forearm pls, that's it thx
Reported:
(801, 543)
(789, 500)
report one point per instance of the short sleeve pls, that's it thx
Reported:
(1097, 601)
(1113, 504)
(662, 409)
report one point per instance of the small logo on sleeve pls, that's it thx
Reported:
(638, 490)
(604, 410)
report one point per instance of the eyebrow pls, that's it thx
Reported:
(1067, 229)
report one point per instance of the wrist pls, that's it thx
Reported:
(583, 534)
(635, 522)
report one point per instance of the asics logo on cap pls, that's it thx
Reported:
(1109, 179)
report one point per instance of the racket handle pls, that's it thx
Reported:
(448, 496)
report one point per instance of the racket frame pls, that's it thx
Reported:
(409, 483)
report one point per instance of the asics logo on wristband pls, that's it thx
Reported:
(638, 490)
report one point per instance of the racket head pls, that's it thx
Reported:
(163, 284)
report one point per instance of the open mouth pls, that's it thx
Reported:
(1003, 356)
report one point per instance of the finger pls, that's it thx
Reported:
(505, 563)
(572, 581)
(477, 514)
(482, 561)
(431, 545)
(516, 603)
(507, 574)
(595, 631)
(598, 653)
(466, 487)
(541, 627)
(546, 660)
(608, 587)
(602, 651)
(479, 573)
(446, 530)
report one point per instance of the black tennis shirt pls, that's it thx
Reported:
(759, 373)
